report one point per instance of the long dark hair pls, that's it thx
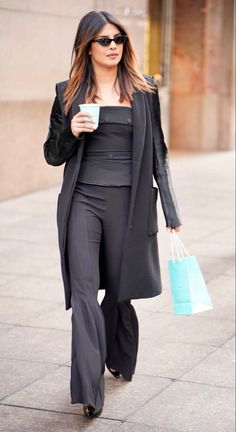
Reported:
(128, 76)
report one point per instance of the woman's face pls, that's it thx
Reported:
(106, 56)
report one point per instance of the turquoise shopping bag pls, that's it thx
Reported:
(189, 291)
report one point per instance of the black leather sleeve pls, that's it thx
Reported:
(60, 143)
(161, 170)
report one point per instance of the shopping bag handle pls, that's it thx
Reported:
(177, 247)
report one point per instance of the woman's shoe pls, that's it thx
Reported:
(89, 411)
(114, 372)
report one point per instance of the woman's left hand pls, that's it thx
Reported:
(174, 229)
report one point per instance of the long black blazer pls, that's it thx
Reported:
(140, 270)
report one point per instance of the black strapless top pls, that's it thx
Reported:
(107, 153)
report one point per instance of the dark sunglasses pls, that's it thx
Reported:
(106, 41)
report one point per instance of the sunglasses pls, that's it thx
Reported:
(106, 41)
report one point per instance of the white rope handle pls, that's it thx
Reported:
(177, 247)
(174, 249)
(180, 243)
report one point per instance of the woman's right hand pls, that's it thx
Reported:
(82, 122)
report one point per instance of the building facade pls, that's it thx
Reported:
(188, 45)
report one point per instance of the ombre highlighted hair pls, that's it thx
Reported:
(128, 76)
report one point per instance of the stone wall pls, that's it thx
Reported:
(202, 75)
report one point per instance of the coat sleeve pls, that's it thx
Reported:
(60, 143)
(161, 170)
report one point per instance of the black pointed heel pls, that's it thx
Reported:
(90, 413)
(114, 372)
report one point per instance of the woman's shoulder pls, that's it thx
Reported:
(61, 86)
(150, 79)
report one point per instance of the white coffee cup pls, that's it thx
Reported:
(94, 110)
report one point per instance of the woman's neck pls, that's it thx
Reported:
(105, 76)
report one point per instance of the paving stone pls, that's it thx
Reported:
(230, 344)
(11, 216)
(34, 234)
(52, 392)
(222, 292)
(52, 272)
(213, 250)
(216, 266)
(24, 216)
(43, 201)
(38, 288)
(36, 344)
(21, 311)
(154, 304)
(123, 397)
(217, 369)
(4, 328)
(190, 235)
(16, 374)
(169, 359)
(5, 279)
(189, 407)
(7, 247)
(131, 427)
(13, 419)
(24, 258)
(223, 236)
(57, 318)
(196, 329)
(43, 220)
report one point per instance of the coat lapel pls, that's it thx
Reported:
(80, 98)
(139, 130)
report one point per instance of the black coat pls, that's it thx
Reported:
(140, 271)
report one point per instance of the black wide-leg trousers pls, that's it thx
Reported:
(105, 334)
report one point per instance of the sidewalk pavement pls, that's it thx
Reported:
(184, 377)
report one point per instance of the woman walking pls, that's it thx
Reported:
(106, 214)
